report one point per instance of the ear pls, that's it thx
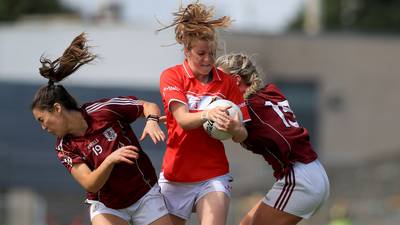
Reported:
(57, 107)
(186, 52)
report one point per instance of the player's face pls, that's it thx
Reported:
(52, 122)
(242, 85)
(201, 57)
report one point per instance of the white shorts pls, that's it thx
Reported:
(181, 198)
(302, 192)
(146, 210)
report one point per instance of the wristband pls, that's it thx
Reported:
(153, 117)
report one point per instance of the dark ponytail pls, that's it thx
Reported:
(75, 56)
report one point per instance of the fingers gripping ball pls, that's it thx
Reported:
(209, 125)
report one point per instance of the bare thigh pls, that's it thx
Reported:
(165, 220)
(263, 214)
(177, 220)
(108, 219)
(212, 209)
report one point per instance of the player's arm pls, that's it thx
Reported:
(191, 120)
(238, 130)
(151, 112)
(93, 181)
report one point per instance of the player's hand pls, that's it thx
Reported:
(220, 116)
(154, 131)
(235, 125)
(125, 154)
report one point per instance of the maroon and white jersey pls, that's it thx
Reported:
(109, 129)
(274, 132)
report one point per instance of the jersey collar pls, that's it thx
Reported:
(189, 73)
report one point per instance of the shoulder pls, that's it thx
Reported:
(269, 91)
(222, 75)
(106, 105)
(172, 72)
(226, 78)
(64, 145)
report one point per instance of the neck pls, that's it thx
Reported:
(77, 124)
(204, 78)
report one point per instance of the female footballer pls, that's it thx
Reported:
(99, 148)
(301, 185)
(195, 172)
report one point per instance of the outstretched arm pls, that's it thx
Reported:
(151, 112)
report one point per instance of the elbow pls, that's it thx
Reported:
(184, 126)
(92, 188)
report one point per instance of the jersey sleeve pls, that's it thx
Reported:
(171, 87)
(126, 109)
(68, 156)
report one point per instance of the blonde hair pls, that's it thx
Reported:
(195, 23)
(241, 65)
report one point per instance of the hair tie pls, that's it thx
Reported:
(50, 83)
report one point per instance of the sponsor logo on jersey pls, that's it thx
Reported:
(171, 88)
(92, 143)
(110, 134)
(200, 102)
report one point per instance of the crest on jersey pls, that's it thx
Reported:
(110, 134)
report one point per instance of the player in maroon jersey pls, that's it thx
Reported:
(302, 185)
(99, 148)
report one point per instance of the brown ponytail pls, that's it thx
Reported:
(76, 55)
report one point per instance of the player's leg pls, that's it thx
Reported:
(263, 214)
(177, 220)
(102, 215)
(212, 209)
(108, 219)
(164, 220)
(179, 198)
(212, 204)
(150, 209)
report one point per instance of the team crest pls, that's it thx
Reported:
(110, 134)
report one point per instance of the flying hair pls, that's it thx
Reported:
(195, 22)
(75, 55)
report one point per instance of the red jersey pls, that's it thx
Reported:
(193, 156)
(274, 132)
(109, 129)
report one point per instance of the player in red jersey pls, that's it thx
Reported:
(99, 148)
(302, 185)
(195, 172)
